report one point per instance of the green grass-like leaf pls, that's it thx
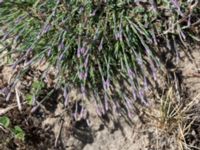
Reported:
(18, 133)
(5, 121)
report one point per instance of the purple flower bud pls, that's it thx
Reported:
(145, 84)
(4, 91)
(14, 65)
(61, 57)
(28, 51)
(78, 52)
(141, 96)
(128, 102)
(153, 69)
(88, 123)
(49, 52)
(19, 19)
(65, 96)
(154, 5)
(29, 62)
(61, 46)
(86, 61)
(106, 84)
(84, 114)
(154, 38)
(81, 113)
(134, 94)
(34, 108)
(8, 96)
(101, 45)
(82, 50)
(139, 60)
(86, 51)
(17, 37)
(83, 91)
(94, 12)
(118, 36)
(39, 36)
(81, 9)
(128, 111)
(5, 37)
(177, 5)
(114, 108)
(131, 74)
(147, 50)
(54, 12)
(97, 109)
(76, 111)
(33, 99)
(58, 2)
(83, 75)
(106, 102)
(46, 28)
(102, 110)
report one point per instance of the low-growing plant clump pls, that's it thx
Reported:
(112, 49)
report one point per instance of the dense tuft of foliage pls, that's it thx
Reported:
(101, 46)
